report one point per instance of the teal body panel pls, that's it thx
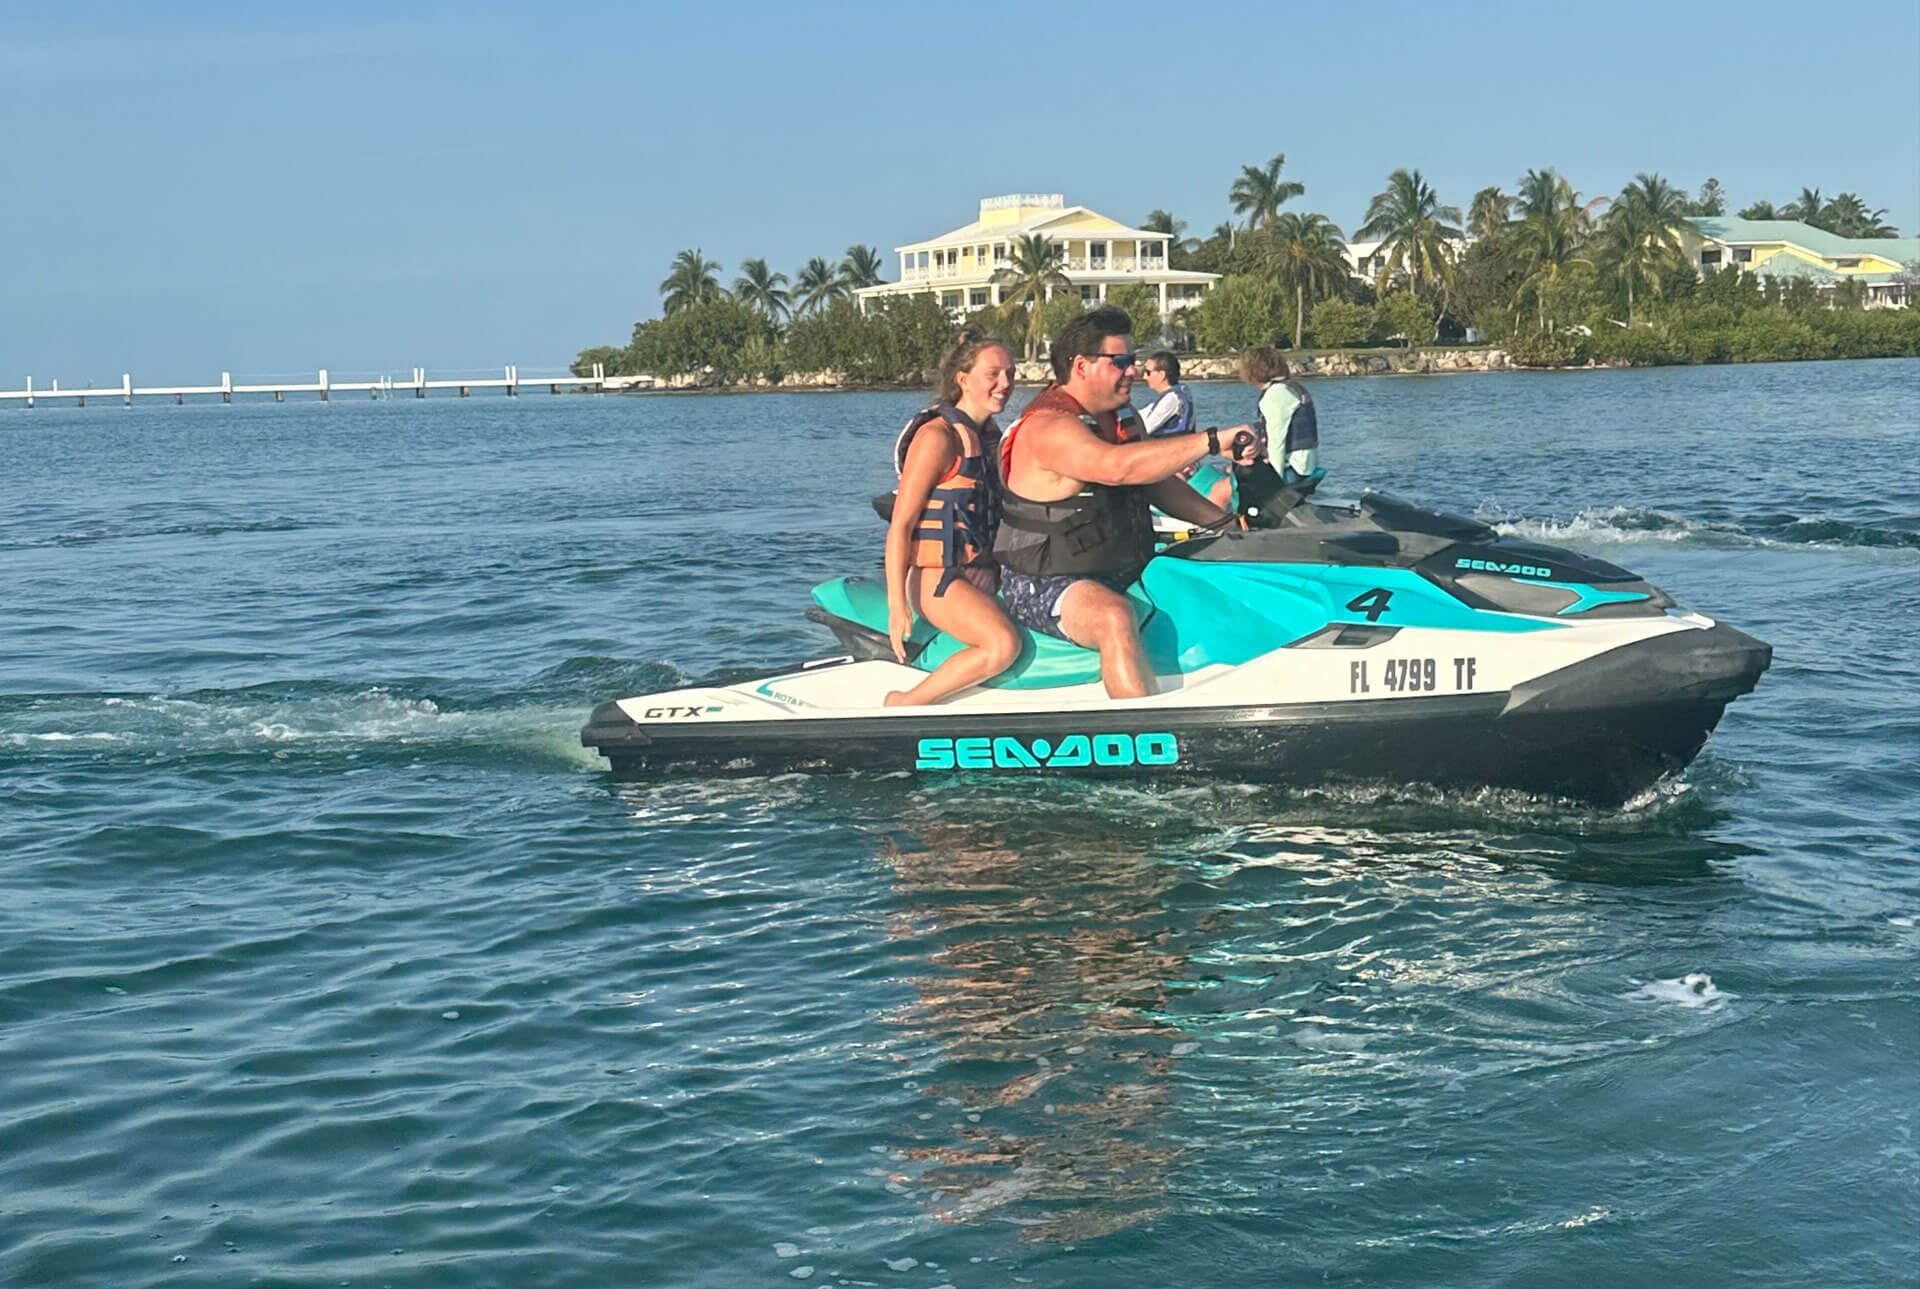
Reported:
(1045, 661)
(1589, 597)
(1194, 613)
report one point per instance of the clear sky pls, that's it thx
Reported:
(266, 189)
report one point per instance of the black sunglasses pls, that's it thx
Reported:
(1122, 361)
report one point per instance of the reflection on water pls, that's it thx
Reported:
(1046, 962)
(1074, 948)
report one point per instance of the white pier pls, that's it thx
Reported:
(510, 380)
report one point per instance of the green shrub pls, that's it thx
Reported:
(1547, 349)
(1238, 313)
(612, 361)
(1335, 323)
(710, 335)
(1775, 335)
(1141, 303)
(1637, 346)
(1405, 314)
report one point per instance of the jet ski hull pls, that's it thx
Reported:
(1575, 733)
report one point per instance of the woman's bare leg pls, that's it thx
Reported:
(970, 616)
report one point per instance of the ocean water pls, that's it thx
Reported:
(328, 957)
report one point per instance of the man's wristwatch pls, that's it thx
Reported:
(1213, 440)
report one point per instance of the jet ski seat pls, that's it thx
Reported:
(1192, 614)
(1045, 661)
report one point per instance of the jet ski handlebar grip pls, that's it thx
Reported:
(1241, 442)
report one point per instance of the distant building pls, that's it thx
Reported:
(1366, 259)
(1787, 248)
(1099, 254)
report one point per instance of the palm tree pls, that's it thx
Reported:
(1642, 233)
(1809, 208)
(1030, 276)
(1760, 210)
(1552, 228)
(694, 279)
(1305, 253)
(861, 267)
(1848, 216)
(816, 286)
(1160, 221)
(1258, 193)
(1409, 220)
(1489, 213)
(759, 287)
(1711, 201)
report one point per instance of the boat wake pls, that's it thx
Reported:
(1627, 526)
(324, 718)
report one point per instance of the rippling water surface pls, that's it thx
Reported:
(327, 956)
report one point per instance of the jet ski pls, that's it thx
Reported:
(1324, 643)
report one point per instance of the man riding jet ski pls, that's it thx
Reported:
(1379, 642)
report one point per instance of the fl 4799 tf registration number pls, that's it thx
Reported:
(1410, 675)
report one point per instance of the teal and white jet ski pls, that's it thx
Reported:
(1377, 642)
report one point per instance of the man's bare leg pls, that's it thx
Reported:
(1095, 617)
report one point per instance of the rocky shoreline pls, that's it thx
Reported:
(1340, 362)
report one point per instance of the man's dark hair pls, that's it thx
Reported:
(1164, 360)
(1083, 337)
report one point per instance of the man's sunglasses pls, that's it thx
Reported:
(1122, 361)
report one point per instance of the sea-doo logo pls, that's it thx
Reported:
(1073, 750)
(1495, 566)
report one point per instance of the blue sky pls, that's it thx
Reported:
(193, 188)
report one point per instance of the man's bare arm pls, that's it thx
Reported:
(1064, 445)
(1178, 498)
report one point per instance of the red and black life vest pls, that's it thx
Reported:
(956, 527)
(1100, 529)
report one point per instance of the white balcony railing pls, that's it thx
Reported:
(1072, 264)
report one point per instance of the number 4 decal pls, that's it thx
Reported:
(1372, 603)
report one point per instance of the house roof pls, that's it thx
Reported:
(1756, 232)
(1034, 218)
(1784, 266)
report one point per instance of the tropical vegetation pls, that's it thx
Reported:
(1550, 274)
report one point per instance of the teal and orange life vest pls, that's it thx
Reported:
(1100, 529)
(956, 527)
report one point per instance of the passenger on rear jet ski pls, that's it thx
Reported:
(940, 540)
(1285, 420)
(1080, 480)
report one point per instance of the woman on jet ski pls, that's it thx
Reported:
(940, 540)
(1285, 416)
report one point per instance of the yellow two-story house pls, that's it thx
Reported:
(1098, 254)
(1786, 248)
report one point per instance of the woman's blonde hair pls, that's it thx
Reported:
(960, 356)
(1258, 366)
